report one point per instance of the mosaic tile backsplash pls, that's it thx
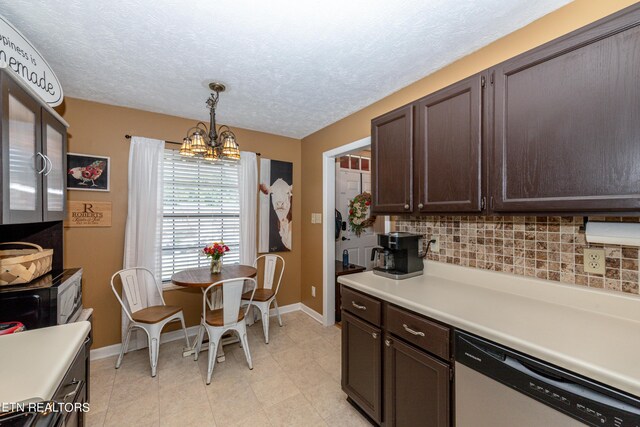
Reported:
(544, 247)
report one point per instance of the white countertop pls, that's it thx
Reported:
(33, 363)
(593, 332)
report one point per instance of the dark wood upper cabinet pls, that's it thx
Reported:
(449, 148)
(555, 130)
(392, 161)
(567, 123)
(417, 387)
(362, 364)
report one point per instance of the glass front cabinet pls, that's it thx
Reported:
(32, 159)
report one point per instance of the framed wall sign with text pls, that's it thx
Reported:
(88, 214)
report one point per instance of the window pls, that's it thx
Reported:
(354, 162)
(201, 205)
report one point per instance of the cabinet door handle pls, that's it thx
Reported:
(411, 331)
(374, 335)
(78, 384)
(420, 206)
(44, 161)
(358, 306)
(50, 163)
(406, 206)
(387, 343)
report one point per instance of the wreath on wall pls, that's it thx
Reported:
(359, 217)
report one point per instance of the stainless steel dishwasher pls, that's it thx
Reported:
(499, 387)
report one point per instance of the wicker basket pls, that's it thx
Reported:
(23, 265)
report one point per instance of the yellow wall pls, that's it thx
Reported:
(357, 126)
(99, 129)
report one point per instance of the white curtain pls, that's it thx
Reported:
(143, 232)
(248, 207)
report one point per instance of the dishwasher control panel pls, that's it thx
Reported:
(585, 412)
(580, 398)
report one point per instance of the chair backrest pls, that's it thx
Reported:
(232, 290)
(132, 279)
(271, 263)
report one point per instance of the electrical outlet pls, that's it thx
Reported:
(435, 246)
(313, 291)
(594, 261)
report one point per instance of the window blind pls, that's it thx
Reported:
(201, 204)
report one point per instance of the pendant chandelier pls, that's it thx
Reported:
(212, 144)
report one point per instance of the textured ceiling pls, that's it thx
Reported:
(291, 67)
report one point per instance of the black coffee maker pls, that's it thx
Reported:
(397, 256)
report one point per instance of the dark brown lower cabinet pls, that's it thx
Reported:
(401, 380)
(416, 387)
(362, 365)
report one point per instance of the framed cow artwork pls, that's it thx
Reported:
(88, 172)
(276, 190)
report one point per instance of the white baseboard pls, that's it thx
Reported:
(114, 350)
(311, 313)
(285, 309)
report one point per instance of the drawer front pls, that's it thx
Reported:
(72, 386)
(418, 331)
(361, 305)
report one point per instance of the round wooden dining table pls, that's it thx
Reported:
(202, 278)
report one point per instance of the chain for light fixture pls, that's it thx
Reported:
(212, 143)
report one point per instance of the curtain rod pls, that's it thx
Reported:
(127, 136)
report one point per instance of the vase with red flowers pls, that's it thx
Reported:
(216, 251)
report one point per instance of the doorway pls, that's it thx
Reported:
(353, 177)
(329, 173)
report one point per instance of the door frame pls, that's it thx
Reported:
(328, 232)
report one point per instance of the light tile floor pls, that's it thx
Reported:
(295, 381)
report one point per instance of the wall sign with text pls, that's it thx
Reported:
(21, 57)
(88, 214)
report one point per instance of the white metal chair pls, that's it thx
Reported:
(230, 317)
(151, 319)
(266, 295)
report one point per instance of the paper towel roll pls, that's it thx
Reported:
(614, 233)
